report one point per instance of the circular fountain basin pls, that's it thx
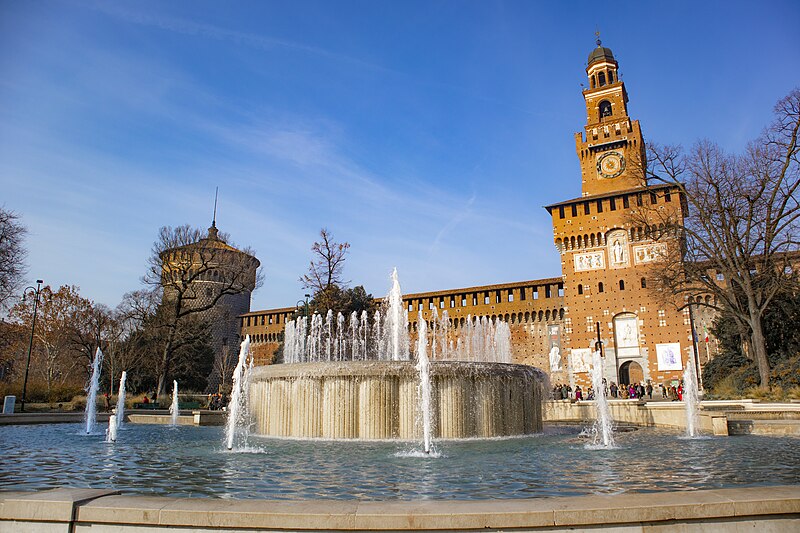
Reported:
(378, 400)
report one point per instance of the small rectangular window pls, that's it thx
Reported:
(536, 294)
(653, 198)
(639, 200)
(561, 290)
(574, 210)
(586, 209)
(430, 305)
(463, 301)
(410, 306)
(510, 295)
(497, 297)
(420, 306)
(625, 202)
(270, 319)
(522, 294)
(547, 291)
(486, 299)
(475, 298)
(561, 211)
(441, 303)
(667, 197)
(612, 204)
(599, 206)
(452, 301)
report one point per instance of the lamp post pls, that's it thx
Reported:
(304, 305)
(36, 293)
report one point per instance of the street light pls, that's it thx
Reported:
(36, 292)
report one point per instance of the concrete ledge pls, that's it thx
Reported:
(768, 508)
(47, 418)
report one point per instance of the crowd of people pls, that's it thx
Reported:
(623, 391)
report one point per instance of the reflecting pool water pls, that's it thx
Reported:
(192, 461)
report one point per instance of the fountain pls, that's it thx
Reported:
(367, 389)
(121, 400)
(111, 432)
(90, 416)
(603, 429)
(691, 399)
(424, 369)
(237, 422)
(174, 410)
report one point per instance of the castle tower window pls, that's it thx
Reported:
(510, 295)
(639, 200)
(605, 108)
(622, 284)
(600, 287)
(522, 294)
(560, 290)
(586, 210)
(610, 76)
(594, 82)
(644, 283)
(625, 202)
(580, 289)
(653, 198)
(601, 79)
(612, 204)
(547, 291)
(486, 299)
(561, 211)
(599, 206)
(667, 197)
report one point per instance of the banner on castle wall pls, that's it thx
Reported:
(669, 356)
(553, 332)
(581, 359)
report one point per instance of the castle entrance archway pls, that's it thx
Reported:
(631, 372)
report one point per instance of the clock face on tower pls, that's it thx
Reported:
(610, 165)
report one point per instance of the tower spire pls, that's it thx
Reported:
(597, 34)
(212, 231)
(214, 220)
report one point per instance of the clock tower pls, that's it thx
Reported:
(611, 149)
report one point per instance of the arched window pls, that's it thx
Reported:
(594, 83)
(580, 289)
(622, 284)
(601, 78)
(600, 287)
(605, 109)
(610, 76)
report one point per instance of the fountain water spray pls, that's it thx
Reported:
(691, 399)
(111, 432)
(397, 322)
(90, 415)
(173, 409)
(424, 368)
(237, 408)
(121, 400)
(603, 425)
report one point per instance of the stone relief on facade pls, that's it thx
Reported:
(648, 253)
(618, 248)
(581, 359)
(627, 335)
(590, 261)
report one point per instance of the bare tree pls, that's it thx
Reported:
(738, 231)
(324, 276)
(326, 268)
(195, 272)
(12, 255)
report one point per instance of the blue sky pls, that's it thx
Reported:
(427, 134)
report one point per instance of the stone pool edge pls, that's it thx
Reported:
(775, 508)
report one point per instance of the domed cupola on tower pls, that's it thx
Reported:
(611, 150)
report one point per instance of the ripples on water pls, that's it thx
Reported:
(191, 461)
